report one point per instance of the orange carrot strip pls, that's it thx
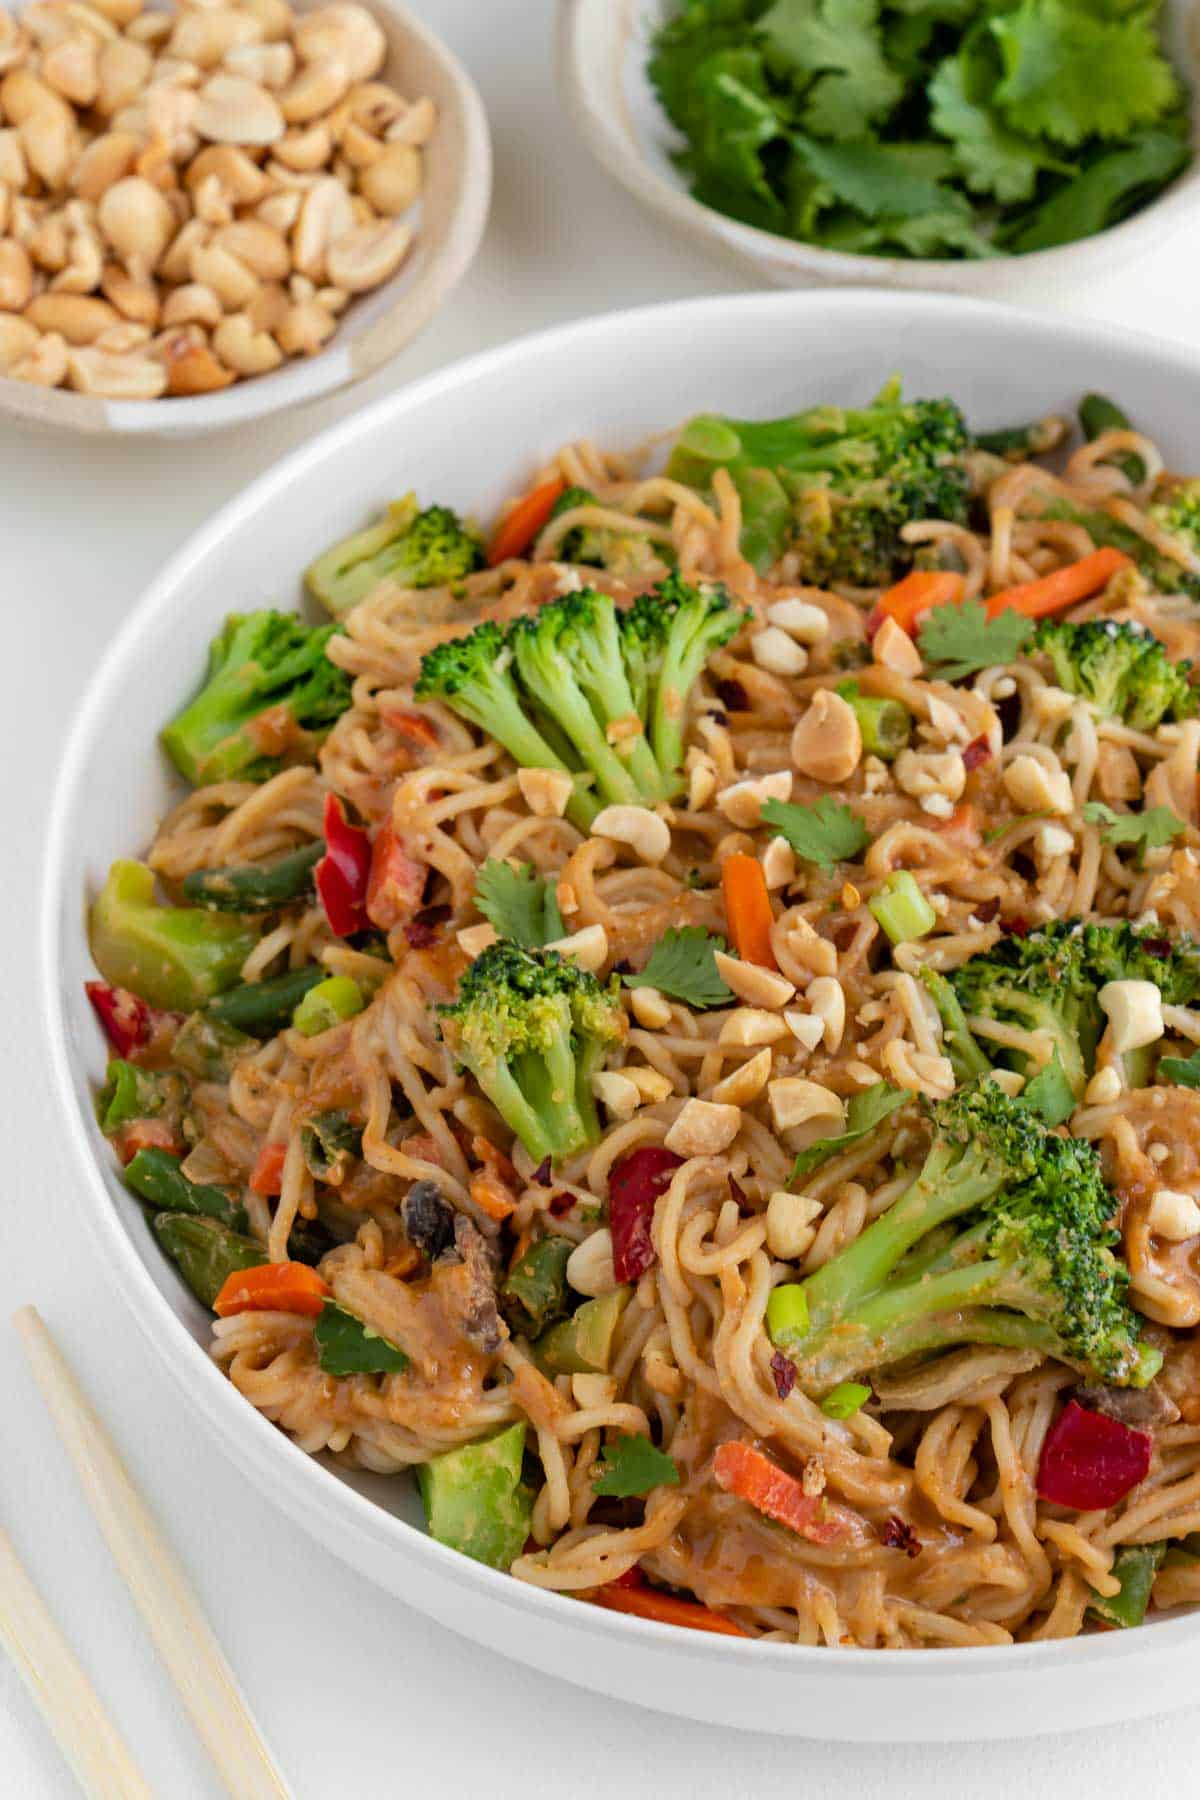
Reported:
(273, 1287)
(525, 521)
(147, 1134)
(915, 595)
(744, 1471)
(1062, 587)
(491, 1196)
(413, 726)
(268, 1170)
(648, 1603)
(748, 909)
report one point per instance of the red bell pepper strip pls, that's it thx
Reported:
(1090, 1461)
(396, 883)
(634, 1185)
(744, 1471)
(129, 1023)
(267, 1175)
(343, 872)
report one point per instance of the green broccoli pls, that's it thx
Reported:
(410, 547)
(580, 687)
(839, 486)
(533, 1029)
(1049, 982)
(269, 691)
(1030, 1265)
(173, 956)
(629, 555)
(1122, 668)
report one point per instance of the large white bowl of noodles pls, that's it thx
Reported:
(469, 436)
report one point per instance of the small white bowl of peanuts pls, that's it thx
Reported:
(212, 210)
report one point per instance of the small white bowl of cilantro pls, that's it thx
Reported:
(984, 146)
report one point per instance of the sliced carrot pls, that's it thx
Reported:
(396, 882)
(745, 1472)
(524, 521)
(267, 1177)
(492, 1158)
(491, 1196)
(748, 909)
(923, 589)
(413, 726)
(1062, 587)
(667, 1609)
(273, 1287)
(147, 1134)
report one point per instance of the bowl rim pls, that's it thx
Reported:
(624, 159)
(345, 360)
(303, 1485)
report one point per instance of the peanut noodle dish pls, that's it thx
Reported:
(679, 1023)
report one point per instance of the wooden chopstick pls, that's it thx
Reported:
(44, 1660)
(159, 1588)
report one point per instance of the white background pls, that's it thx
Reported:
(360, 1696)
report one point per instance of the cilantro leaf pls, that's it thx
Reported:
(1049, 1092)
(865, 1111)
(824, 833)
(993, 159)
(1069, 75)
(878, 179)
(840, 44)
(683, 964)
(1181, 1071)
(345, 1346)
(732, 121)
(519, 904)
(1148, 830)
(959, 640)
(1106, 191)
(632, 1466)
(946, 233)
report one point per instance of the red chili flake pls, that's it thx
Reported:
(898, 1534)
(736, 1192)
(542, 1173)
(783, 1371)
(433, 915)
(977, 752)
(560, 1204)
(734, 696)
(1017, 927)
(634, 1185)
(986, 911)
(418, 935)
(1157, 946)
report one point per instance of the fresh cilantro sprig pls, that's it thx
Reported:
(825, 833)
(683, 965)
(865, 1111)
(956, 641)
(632, 1466)
(1148, 830)
(1180, 1071)
(519, 904)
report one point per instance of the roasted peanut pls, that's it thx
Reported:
(393, 182)
(80, 318)
(115, 376)
(368, 255)
(246, 351)
(16, 276)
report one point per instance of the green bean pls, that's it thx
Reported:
(157, 1177)
(255, 889)
(205, 1252)
(264, 1007)
(1097, 414)
(1016, 442)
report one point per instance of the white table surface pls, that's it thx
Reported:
(359, 1695)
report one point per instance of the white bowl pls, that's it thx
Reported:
(469, 436)
(449, 225)
(602, 50)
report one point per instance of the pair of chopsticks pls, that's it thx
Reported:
(162, 1594)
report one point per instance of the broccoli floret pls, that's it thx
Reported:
(1122, 668)
(533, 1029)
(270, 691)
(1179, 513)
(629, 555)
(580, 687)
(1031, 1264)
(411, 547)
(173, 956)
(849, 481)
(668, 636)
(475, 676)
(1049, 982)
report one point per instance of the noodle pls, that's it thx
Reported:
(945, 1455)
